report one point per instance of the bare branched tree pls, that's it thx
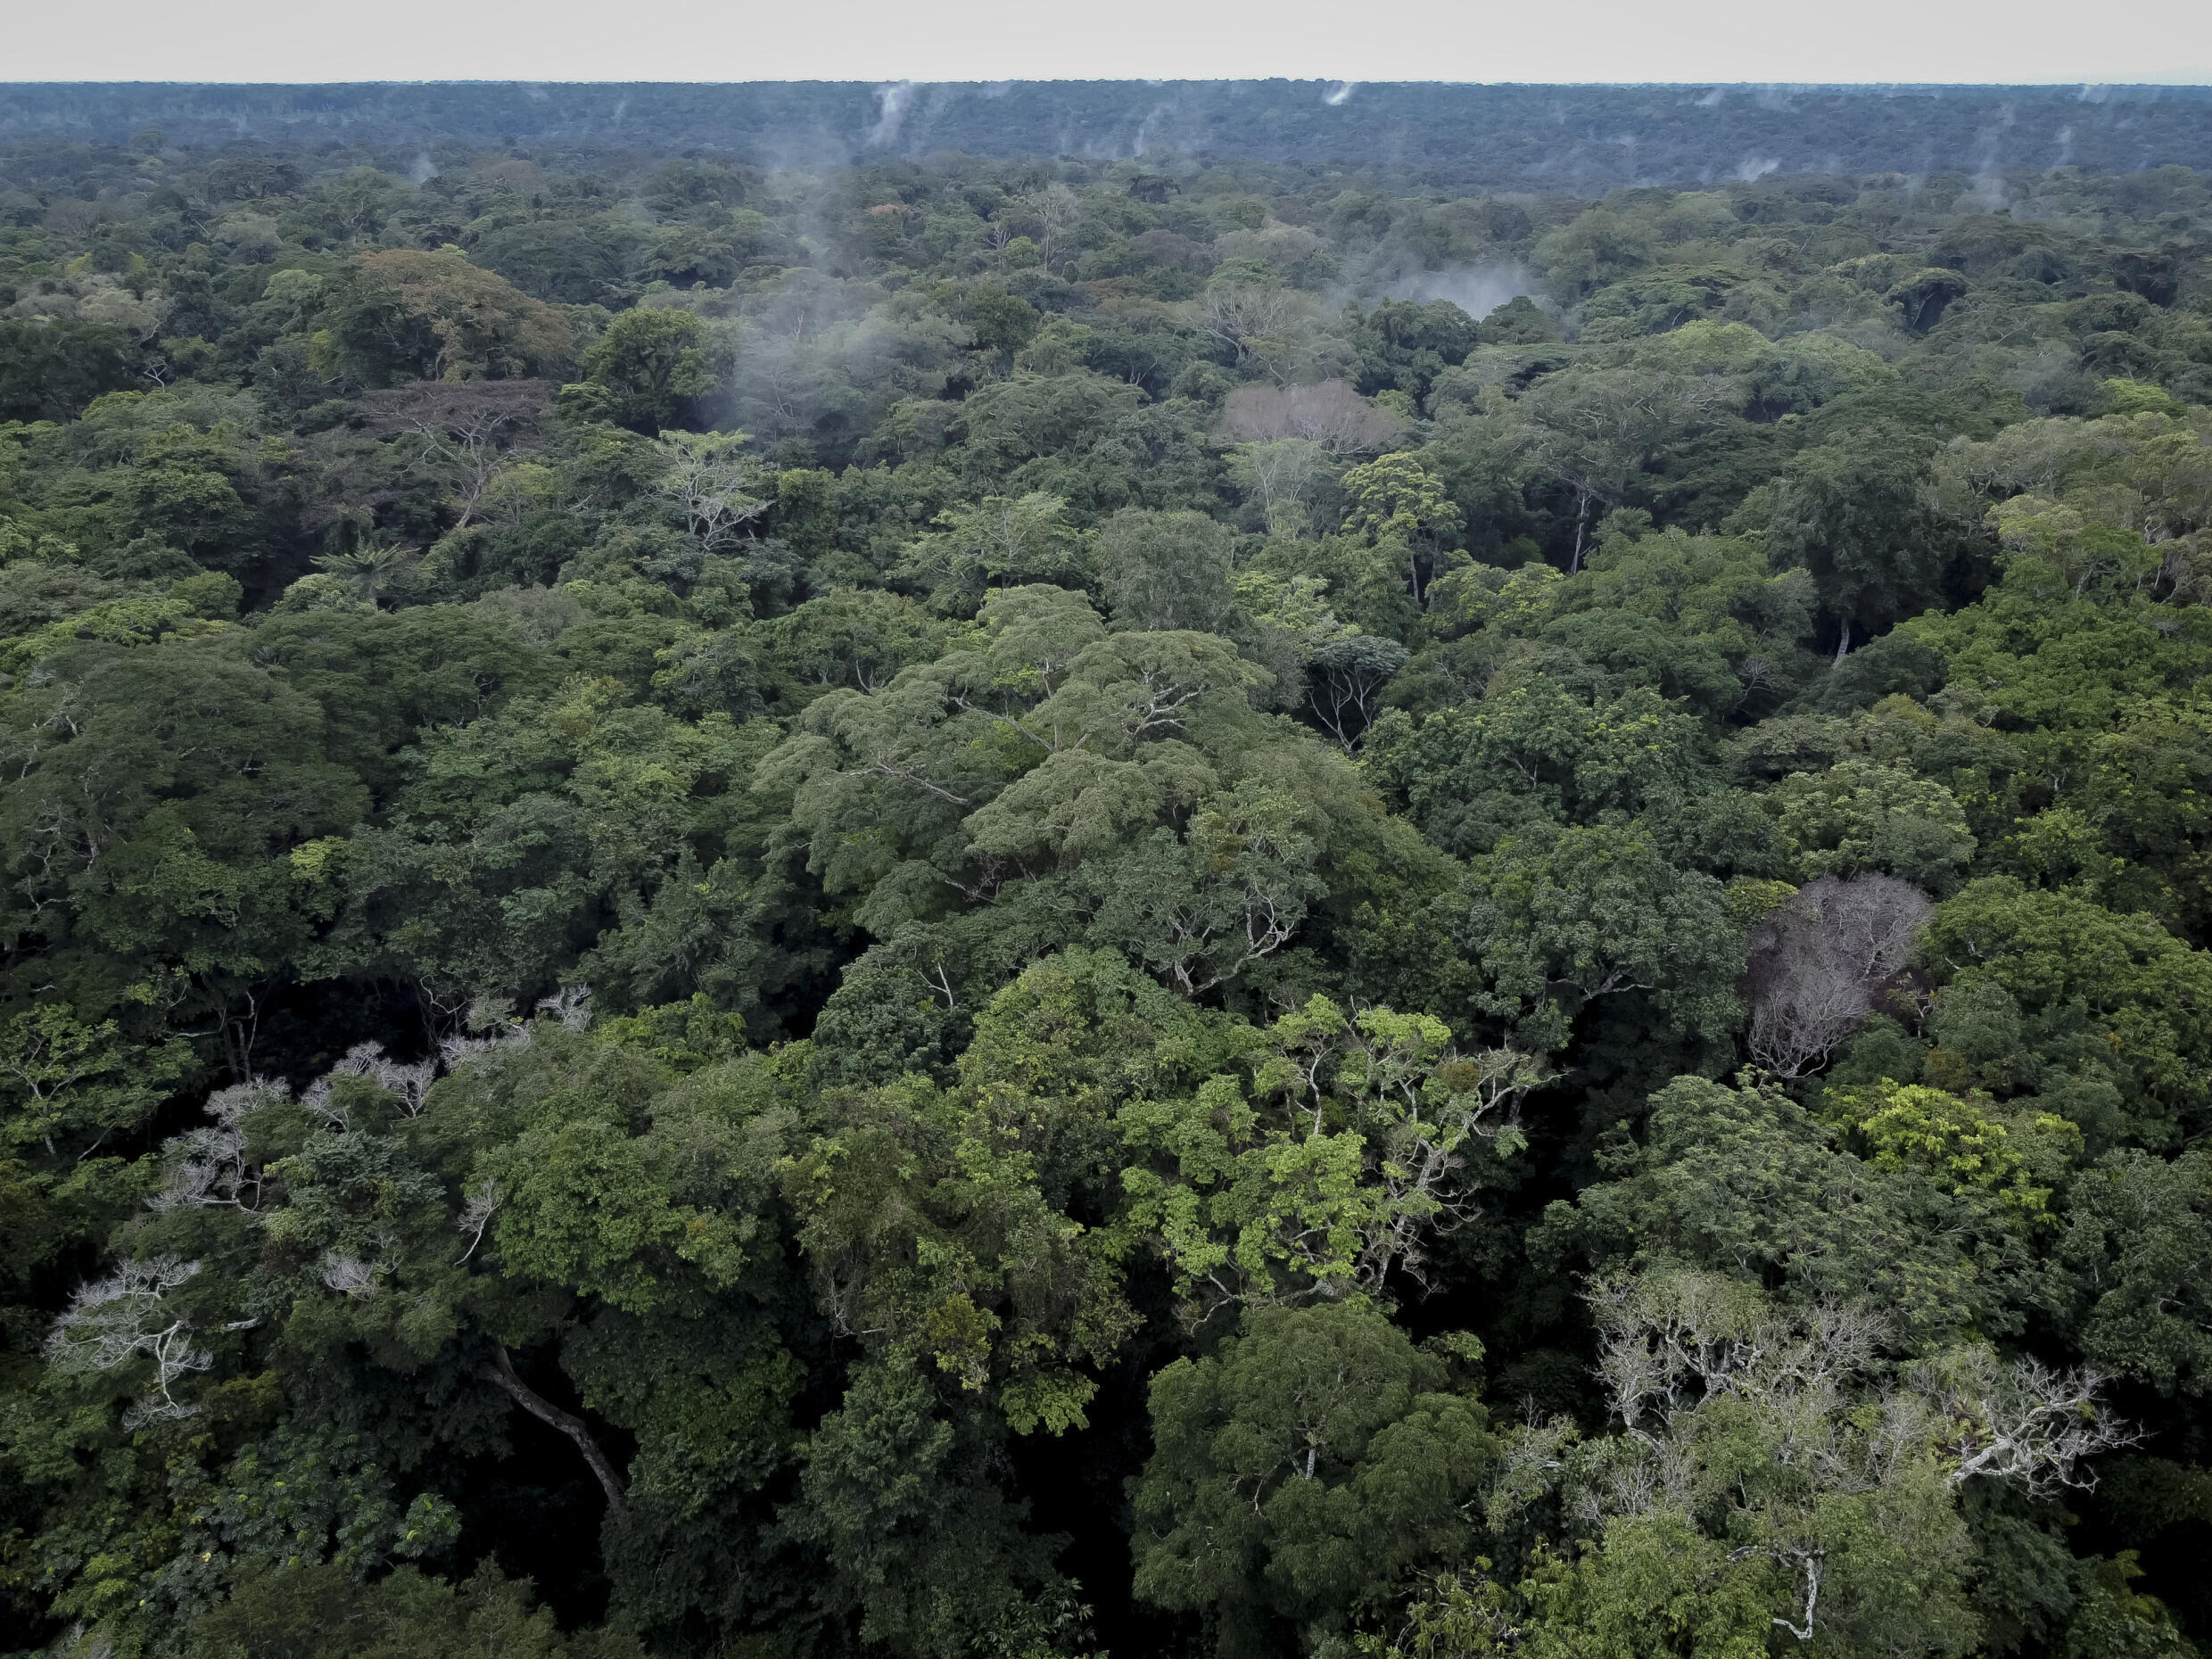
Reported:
(2023, 1423)
(481, 1204)
(570, 1005)
(1282, 475)
(411, 1083)
(1247, 316)
(500, 1031)
(461, 432)
(710, 483)
(1330, 413)
(1819, 965)
(127, 1316)
(1053, 209)
(1810, 1386)
(350, 1275)
(1669, 1342)
(209, 1167)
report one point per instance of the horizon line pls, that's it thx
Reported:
(1139, 80)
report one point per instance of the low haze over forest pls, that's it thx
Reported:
(1245, 870)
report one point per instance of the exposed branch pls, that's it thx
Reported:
(502, 1371)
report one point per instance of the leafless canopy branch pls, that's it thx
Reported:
(1330, 413)
(1819, 966)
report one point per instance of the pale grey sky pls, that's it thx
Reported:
(2060, 41)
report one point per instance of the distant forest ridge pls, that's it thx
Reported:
(1547, 138)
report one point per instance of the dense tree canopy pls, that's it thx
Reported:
(990, 909)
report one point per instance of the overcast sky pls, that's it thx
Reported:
(2062, 41)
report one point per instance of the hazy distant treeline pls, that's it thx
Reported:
(1587, 139)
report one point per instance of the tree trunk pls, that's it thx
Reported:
(502, 1371)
